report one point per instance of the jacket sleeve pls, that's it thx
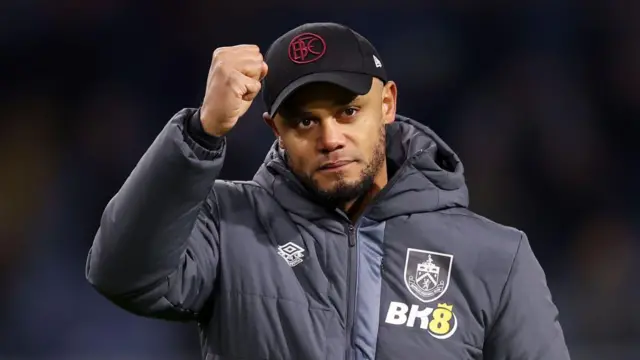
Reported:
(526, 326)
(156, 251)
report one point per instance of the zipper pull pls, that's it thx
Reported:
(352, 235)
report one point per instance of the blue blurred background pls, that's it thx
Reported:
(540, 101)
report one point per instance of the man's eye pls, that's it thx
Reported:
(350, 111)
(305, 123)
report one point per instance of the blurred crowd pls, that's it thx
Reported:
(541, 100)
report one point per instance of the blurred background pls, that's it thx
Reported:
(541, 102)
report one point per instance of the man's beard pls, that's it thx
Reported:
(343, 191)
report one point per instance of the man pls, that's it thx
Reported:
(352, 241)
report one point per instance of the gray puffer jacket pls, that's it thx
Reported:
(267, 273)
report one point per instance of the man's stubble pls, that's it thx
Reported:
(343, 191)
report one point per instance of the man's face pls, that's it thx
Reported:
(335, 140)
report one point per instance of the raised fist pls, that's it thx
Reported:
(232, 84)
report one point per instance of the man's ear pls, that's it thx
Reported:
(389, 101)
(272, 124)
(269, 121)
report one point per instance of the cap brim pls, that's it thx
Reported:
(359, 84)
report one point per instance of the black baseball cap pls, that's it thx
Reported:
(319, 52)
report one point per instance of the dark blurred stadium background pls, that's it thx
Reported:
(539, 98)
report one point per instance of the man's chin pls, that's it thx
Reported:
(341, 192)
(328, 190)
(334, 180)
(336, 191)
(330, 186)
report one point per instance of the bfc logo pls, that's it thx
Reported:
(426, 275)
(306, 48)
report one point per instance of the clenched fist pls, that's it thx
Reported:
(232, 84)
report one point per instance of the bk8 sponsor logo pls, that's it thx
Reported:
(439, 322)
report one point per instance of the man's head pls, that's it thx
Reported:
(328, 101)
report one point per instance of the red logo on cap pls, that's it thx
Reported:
(306, 48)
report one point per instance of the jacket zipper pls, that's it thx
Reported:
(353, 252)
(351, 289)
(352, 269)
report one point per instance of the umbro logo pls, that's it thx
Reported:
(292, 253)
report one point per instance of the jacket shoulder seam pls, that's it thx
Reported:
(472, 215)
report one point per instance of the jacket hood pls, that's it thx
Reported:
(429, 176)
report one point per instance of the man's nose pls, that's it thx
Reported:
(331, 136)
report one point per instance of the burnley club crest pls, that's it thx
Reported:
(427, 274)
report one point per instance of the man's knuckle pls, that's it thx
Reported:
(220, 53)
(219, 67)
(229, 79)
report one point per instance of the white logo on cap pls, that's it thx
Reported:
(377, 62)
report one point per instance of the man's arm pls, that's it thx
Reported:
(156, 251)
(526, 326)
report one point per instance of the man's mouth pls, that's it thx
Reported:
(335, 165)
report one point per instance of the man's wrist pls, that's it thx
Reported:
(200, 136)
